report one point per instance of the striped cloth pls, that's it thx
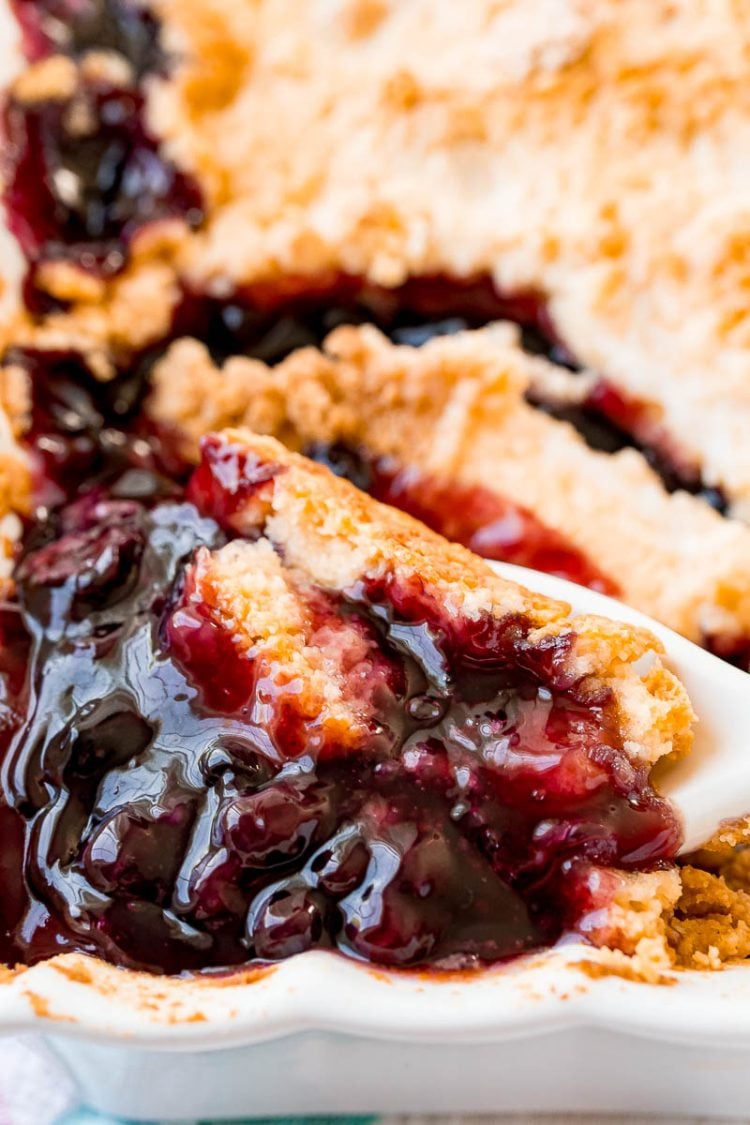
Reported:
(34, 1090)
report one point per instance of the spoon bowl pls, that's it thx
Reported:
(712, 784)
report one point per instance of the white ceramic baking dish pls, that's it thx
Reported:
(320, 1034)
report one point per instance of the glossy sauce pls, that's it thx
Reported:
(154, 826)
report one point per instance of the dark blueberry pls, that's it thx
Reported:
(276, 824)
(95, 568)
(340, 866)
(417, 335)
(107, 737)
(215, 893)
(75, 26)
(285, 922)
(342, 461)
(81, 193)
(142, 935)
(715, 497)
(138, 851)
(597, 431)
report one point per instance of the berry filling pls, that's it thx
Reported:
(84, 433)
(177, 799)
(73, 27)
(634, 422)
(84, 176)
(270, 320)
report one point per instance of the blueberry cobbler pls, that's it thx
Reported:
(309, 309)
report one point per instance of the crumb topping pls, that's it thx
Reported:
(254, 596)
(551, 136)
(376, 154)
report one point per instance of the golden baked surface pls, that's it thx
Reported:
(589, 150)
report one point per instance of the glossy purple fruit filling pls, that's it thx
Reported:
(73, 27)
(147, 817)
(86, 434)
(84, 176)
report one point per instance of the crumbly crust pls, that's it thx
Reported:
(15, 470)
(335, 535)
(632, 936)
(105, 319)
(112, 319)
(540, 143)
(588, 150)
(711, 922)
(456, 408)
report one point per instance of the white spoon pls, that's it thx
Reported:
(712, 784)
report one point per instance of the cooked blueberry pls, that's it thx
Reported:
(81, 196)
(76, 26)
(276, 824)
(139, 934)
(96, 566)
(138, 851)
(107, 737)
(417, 335)
(285, 922)
(341, 864)
(344, 462)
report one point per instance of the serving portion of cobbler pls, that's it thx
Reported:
(266, 714)
(248, 711)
